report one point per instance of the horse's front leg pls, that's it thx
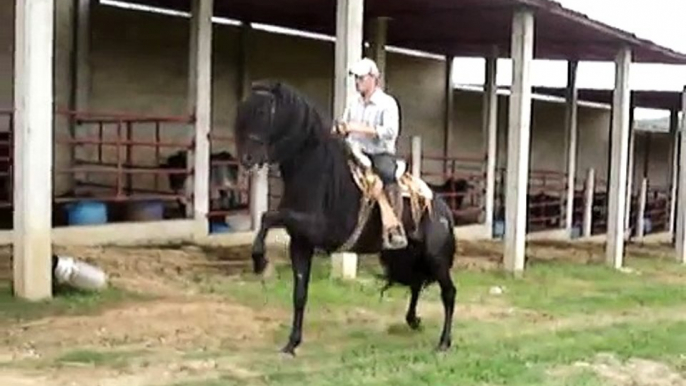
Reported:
(269, 220)
(300, 223)
(301, 252)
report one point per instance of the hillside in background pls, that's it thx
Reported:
(656, 124)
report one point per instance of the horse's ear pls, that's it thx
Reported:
(266, 86)
(259, 85)
(277, 87)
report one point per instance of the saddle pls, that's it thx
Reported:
(369, 183)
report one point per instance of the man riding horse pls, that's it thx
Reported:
(371, 125)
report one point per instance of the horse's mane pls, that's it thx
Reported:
(302, 112)
(306, 140)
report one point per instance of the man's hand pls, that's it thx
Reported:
(340, 128)
(360, 128)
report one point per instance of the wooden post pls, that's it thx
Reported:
(640, 221)
(588, 203)
(417, 156)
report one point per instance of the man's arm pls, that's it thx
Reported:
(387, 130)
(390, 121)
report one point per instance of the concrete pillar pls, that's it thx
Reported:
(259, 195)
(490, 131)
(349, 19)
(681, 189)
(349, 33)
(674, 168)
(449, 98)
(620, 157)
(244, 81)
(82, 52)
(640, 221)
(65, 25)
(200, 87)
(33, 124)
(630, 170)
(588, 203)
(377, 45)
(571, 119)
(416, 156)
(259, 181)
(519, 140)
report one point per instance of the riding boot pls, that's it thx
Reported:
(396, 238)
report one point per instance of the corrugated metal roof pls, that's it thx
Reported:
(454, 27)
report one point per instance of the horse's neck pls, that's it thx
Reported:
(319, 177)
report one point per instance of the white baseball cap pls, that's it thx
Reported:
(364, 67)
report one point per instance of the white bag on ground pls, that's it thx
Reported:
(79, 274)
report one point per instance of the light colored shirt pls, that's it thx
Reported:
(381, 113)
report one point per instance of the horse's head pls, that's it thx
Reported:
(273, 123)
(256, 124)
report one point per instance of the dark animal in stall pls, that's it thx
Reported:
(454, 191)
(224, 171)
(6, 217)
(545, 211)
(320, 204)
(453, 185)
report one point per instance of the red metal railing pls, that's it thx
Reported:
(275, 187)
(579, 200)
(103, 146)
(600, 207)
(462, 183)
(657, 208)
(6, 157)
(546, 200)
(242, 188)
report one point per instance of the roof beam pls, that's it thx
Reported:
(426, 11)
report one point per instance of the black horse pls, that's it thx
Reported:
(320, 204)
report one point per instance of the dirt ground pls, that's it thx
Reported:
(183, 318)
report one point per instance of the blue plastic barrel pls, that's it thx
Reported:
(647, 225)
(498, 228)
(219, 227)
(576, 232)
(87, 213)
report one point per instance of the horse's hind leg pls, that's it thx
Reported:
(301, 259)
(411, 317)
(448, 292)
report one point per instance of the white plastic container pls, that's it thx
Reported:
(79, 274)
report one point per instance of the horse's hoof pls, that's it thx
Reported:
(259, 263)
(288, 349)
(443, 346)
(415, 323)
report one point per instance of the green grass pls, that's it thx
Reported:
(510, 350)
(559, 313)
(64, 302)
(112, 359)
